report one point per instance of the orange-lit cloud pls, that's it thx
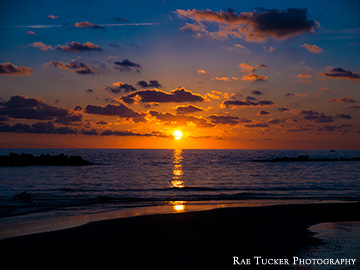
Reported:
(87, 24)
(254, 78)
(41, 46)
(10, 69)
(222, 79)
(304, 75)
(311, 48)
(75, 67)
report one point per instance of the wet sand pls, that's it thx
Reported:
(194, 240)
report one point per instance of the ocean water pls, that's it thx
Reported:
(123, 179)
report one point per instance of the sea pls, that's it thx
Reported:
(128, 182)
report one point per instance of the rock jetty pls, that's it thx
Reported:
(43, 160)
(303, 158)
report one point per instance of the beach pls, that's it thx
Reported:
(194, 240)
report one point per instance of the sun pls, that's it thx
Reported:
(177, 134)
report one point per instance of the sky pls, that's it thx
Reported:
(227, 74)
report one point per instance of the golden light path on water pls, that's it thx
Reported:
(177, 181)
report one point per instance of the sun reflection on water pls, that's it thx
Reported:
(178, 206)
(177, 170)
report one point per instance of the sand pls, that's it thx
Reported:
(194, 240)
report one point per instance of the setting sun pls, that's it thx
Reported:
(177, 134)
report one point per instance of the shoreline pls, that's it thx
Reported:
(40, 222)
(191, 240)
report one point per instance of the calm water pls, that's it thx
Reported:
(131, 178)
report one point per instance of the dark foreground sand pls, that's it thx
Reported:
(195, 240)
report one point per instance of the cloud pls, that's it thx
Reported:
(201, 71)
(127, 65)
(254, 26)
(180, 119)
(343, 100)
(38, 128)
(184, 109)
(353, 107)
(159, 96)
(283, 109)
(151, 84)
(31, 33)
(343, 116)
(41, 46)
(115, 110)
(110, 132)
(311, 48)
(257, 125)
(247, 68)
(32, 108)
(262, 113)
(316, 116)
(254, 78)
(75, 67)
(303, 75)
(10, 69)
(75, 46)
(119, 87)
(53, 17)
(340, 73)
(87, 24)
(257, 92)
(221, 79)
(224, 119)
(247, 103)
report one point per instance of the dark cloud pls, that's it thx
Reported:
(254, 26)
(151, 84)
(75, 67)
(89, 91)
(184, 109)
(224, 119)
(343, 116)
(340, 73)
(257, 125)
(39, 127)
(179, 119)
(10, 69)
(159, 96)
(343, 100)
(119, 87)
(126, 65)
(110, 132)
(257, 92)
(31, 108)
(248, 103)
(283, 109)
(262, 112)
(316, 116)
(87, 24)
(91, 132)
(115, 110)
(75, 46)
